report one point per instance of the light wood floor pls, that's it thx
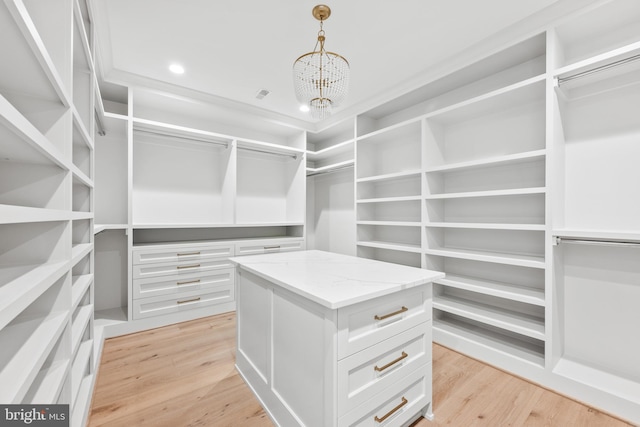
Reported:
(183, 375)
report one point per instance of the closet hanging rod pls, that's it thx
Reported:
(295, 156)
(598, 69)
(560, 239)
(169, 135)
(336, 169)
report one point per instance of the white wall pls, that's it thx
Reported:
(331, 217)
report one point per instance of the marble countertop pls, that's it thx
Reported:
(334, 280)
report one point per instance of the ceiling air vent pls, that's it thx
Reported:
(262, 93)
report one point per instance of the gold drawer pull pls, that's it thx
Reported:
(391, 412)
(188, 300)
(393, 362)
(402, 310)
(188, 283)
(180, 267)
(189, 253)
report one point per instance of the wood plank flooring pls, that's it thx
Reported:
(184, 375)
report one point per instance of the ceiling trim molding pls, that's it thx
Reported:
(133, 80)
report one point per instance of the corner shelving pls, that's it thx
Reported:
(46, 120)
(512, 320)
(510, 291)
(595, 268)
(48, 384)
(27, 342)
(476, 338)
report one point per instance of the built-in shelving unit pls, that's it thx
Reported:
(596, 234)
(514, 173)
(47, 90)
(515, 176)
(389, 191)
(330, 218)
(164, 177)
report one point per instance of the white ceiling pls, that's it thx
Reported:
(232, 49)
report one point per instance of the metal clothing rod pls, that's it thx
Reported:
(598, 69)
(169, 135)
(295, 156)
(595, 242)
(336, 169)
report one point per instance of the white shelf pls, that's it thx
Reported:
(80, 325)
(79, 251)
(394, 223)
(81, 177)
(497, 289)
(11, 214)
(79, 215)
(82, 33)
(490, 193)
(390, 199)
(48, 384)
(339, 165)
(79, 288)
(389, 176)
(21, 285)
(387, 129)
(98, 228)
(175, 130)
(598, 60)
(391, 246)
(80, 364)
(623, 387)
(486, 256)
(26, 345)
(329, 152)
(269, 148)
(518, 323)
(110, 316)
(491, 161)
(476, 340)
(84, 133)
(487, 226)
(81, 406)
(37, 47)
(214, 225)
(525, 91)
(21, 141)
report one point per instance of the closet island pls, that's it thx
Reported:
(335, 340)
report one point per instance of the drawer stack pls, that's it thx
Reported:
(384, 359)
(170, 278)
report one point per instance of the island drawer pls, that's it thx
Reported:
(267, 246)
(368, 323)
(167, 304)
(397, 405)
(181, 268)
(363, 375)
(180, 253)
(173, 285)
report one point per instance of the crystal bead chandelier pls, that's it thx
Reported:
(321, 78)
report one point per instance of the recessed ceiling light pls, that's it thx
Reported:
(176, 68)
(304, 108)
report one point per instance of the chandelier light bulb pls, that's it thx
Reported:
(321, 78)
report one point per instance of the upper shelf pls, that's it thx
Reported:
(588, 36)
(490, 161)
(22, 142)
(33, 62)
